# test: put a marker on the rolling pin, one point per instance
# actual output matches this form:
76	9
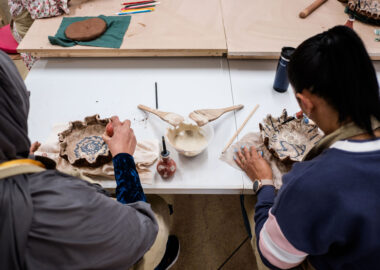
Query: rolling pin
307	11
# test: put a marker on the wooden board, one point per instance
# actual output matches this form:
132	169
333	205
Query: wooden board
175	28
260	28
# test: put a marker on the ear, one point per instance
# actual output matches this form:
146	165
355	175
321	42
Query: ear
305	102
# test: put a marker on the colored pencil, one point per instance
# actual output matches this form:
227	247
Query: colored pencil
138	2
134	12
143	6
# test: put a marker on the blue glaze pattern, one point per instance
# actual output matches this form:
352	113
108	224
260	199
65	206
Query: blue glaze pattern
90	147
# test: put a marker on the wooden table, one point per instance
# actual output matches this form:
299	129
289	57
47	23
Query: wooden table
260	28
175	28
238	28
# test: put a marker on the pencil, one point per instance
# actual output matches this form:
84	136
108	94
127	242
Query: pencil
240	128
134	12
142	5
138	7
138	2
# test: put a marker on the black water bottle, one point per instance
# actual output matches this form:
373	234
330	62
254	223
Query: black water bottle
281	81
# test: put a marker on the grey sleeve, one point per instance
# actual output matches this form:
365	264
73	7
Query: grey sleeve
76	227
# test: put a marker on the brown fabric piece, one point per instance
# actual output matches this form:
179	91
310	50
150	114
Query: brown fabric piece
342	133
86	30
145	156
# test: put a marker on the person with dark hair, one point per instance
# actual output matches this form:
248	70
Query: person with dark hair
326	214
50	220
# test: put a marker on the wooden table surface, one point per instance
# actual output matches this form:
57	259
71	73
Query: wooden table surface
238	28
175	28
260	28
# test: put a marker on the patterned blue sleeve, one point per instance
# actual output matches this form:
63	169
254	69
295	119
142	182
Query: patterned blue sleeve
128	189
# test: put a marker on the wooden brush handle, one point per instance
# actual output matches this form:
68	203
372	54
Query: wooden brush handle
232	108
146	108
307	11
240	128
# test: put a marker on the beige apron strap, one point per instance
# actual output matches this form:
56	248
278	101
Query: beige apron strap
16	167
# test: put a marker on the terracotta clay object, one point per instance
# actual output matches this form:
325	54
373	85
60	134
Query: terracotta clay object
289	139
82	144
86	30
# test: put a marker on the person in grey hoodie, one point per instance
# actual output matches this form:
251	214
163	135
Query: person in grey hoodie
50	220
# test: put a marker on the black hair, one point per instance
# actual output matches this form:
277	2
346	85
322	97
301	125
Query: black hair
336	66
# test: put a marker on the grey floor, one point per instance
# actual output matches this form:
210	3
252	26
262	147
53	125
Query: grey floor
211	231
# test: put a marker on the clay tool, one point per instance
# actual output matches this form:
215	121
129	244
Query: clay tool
240	128
169	117
307	11
202	117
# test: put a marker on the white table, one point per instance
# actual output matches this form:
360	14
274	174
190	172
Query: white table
252	83
63	90
70	89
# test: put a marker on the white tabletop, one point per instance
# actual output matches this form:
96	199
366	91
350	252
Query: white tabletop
64	90
252	83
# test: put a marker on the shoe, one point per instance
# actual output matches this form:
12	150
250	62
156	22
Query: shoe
171	253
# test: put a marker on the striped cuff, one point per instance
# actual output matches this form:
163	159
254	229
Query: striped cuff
276	248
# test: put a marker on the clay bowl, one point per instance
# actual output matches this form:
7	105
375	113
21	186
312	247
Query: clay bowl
189	130
82	144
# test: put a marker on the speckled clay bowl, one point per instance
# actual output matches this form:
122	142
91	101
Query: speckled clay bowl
207	131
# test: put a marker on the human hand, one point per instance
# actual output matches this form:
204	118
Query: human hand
253	164
123	139
34	147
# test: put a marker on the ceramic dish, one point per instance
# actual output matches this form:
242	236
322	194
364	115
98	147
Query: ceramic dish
189	139
82	144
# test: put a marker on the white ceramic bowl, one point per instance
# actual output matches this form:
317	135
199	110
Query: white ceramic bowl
207	131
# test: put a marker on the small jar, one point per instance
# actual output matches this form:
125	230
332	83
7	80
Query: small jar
166	166
281	81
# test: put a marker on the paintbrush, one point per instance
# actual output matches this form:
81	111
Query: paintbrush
156	94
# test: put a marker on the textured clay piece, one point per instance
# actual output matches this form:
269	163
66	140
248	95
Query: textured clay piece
86	30
82	144
289	139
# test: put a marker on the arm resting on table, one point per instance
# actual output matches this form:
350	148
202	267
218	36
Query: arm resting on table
128	189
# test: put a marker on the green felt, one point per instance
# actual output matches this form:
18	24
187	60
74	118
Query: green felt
112	38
